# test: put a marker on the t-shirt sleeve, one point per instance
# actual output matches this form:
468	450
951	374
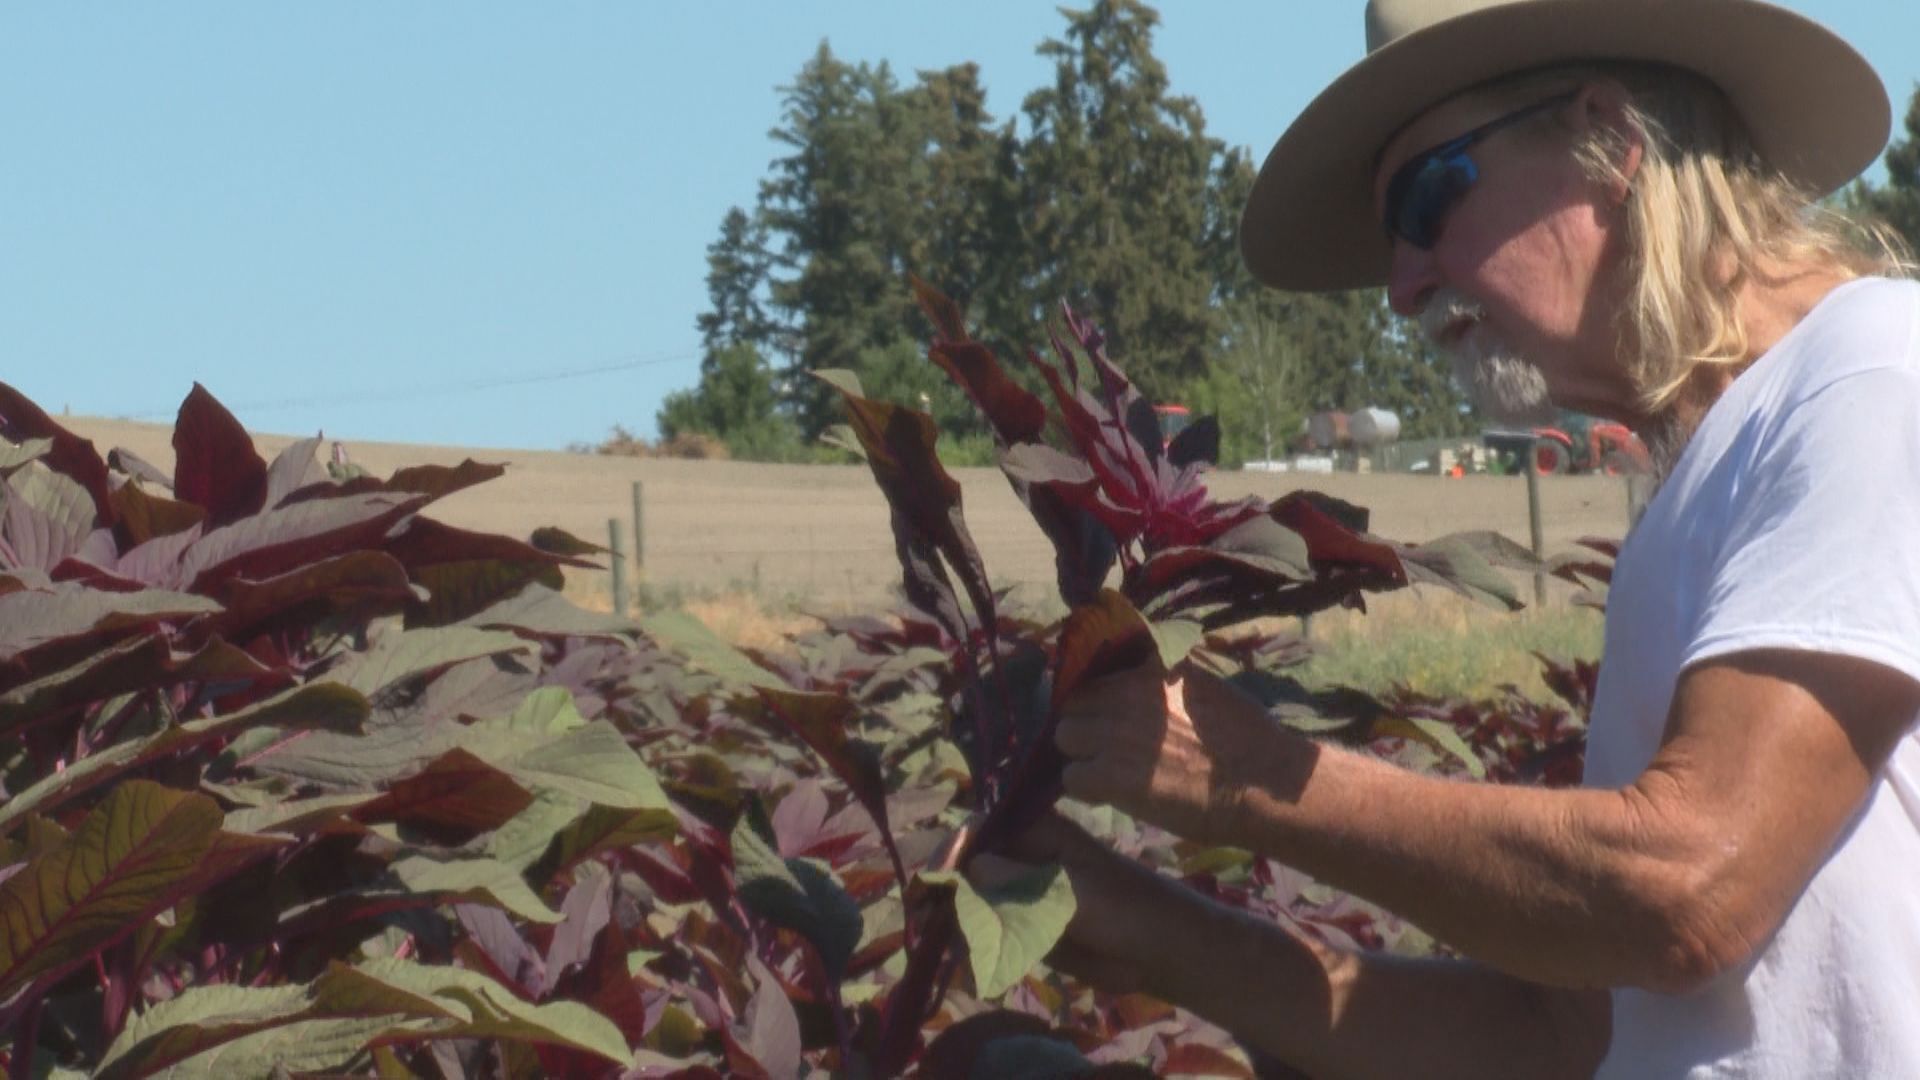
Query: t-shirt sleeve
1822	549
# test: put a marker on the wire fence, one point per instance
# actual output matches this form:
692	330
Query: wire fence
830	548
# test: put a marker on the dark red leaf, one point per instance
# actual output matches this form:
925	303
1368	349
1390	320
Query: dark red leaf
1197	444
70	455
587	910
361	583
500	947
143	516
1104	638
821	721
215	466
925	499
1326	524
266	545
120	459
456	797
294	468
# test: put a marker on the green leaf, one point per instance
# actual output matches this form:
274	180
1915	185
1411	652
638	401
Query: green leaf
396	657
542	748
140	663
1434	733
59	515
547	711
1175	638
1461	563
294	815
126	861
315	705
523	840
798	895
842	380
604	828
1011	927
245	1032
295	1049
540	610
199	1019
688	638
35	616
474	880
14	455
530	833
470	1006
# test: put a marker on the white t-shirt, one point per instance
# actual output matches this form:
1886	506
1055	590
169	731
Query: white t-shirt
1792	520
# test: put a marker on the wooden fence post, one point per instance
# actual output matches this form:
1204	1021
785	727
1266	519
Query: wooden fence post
619	562
639	535
1534	527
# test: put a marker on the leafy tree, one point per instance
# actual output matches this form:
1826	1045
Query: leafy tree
1117	173
1897	204
737	265
1351	350
1252	387
842	204
737	401
738	398
1113	197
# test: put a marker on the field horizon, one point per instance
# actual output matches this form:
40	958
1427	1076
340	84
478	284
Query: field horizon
816	536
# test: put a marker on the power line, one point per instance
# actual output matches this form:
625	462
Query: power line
437	389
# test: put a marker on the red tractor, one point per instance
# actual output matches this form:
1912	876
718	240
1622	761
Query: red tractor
1573	444
1173	420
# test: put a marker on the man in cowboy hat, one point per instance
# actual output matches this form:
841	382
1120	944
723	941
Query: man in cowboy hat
1603	205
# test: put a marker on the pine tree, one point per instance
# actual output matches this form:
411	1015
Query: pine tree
1116	175
737	266
1898	204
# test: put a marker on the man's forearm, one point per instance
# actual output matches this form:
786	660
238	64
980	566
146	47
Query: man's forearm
1546	885
1332	1013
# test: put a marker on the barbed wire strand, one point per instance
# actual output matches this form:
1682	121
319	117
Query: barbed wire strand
437	388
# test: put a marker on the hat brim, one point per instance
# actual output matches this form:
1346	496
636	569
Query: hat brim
1815	107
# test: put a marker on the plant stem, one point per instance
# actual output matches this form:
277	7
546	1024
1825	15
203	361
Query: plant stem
26	1034
841	1030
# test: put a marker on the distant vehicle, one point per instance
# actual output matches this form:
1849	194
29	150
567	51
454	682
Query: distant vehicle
1173	420
1574	443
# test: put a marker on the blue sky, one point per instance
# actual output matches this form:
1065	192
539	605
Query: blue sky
484	223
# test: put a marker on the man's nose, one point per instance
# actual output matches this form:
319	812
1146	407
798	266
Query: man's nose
1412	279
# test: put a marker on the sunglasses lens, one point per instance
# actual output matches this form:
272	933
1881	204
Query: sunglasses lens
1435	184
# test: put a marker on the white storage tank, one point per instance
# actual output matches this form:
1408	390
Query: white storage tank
1372	427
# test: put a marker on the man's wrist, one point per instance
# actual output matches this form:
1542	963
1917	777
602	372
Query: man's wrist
1258	782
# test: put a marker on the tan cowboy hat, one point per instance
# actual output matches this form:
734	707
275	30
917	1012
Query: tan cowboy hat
1815	107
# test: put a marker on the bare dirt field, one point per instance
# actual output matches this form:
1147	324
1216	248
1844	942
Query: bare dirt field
818	535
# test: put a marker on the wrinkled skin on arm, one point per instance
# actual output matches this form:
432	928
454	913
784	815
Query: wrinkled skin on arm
1664	883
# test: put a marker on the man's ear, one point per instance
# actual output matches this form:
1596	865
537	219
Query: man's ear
1602	104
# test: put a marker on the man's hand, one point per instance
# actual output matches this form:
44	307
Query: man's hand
1133	929
1180	752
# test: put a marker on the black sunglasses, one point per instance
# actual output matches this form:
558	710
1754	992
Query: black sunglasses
1424	189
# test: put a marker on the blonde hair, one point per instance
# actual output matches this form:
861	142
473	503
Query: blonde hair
1705	216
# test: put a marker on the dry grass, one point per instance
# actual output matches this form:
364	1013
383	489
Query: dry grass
745	616
745	620
1429	640
1437	643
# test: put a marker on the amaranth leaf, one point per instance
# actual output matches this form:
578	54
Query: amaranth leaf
127	860
798	895
1012	926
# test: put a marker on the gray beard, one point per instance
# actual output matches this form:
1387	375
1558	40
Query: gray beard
1502	386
